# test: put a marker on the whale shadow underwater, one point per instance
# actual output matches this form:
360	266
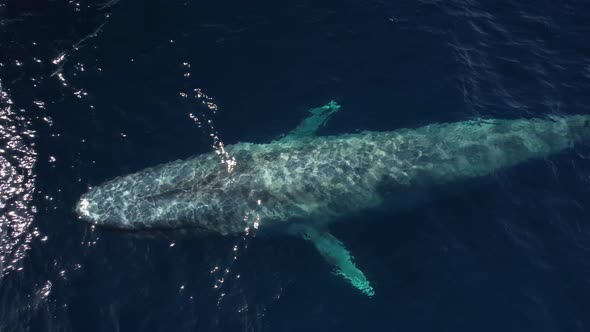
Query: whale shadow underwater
302	183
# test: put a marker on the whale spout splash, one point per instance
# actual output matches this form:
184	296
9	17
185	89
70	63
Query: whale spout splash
305	182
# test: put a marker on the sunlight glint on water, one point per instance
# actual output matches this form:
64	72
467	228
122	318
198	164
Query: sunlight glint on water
222	272
17	185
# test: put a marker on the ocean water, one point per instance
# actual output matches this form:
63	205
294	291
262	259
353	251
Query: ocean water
90	90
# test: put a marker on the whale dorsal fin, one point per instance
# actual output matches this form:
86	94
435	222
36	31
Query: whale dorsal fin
335	253
310	125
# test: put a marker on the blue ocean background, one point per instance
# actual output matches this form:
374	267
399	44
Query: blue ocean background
94	91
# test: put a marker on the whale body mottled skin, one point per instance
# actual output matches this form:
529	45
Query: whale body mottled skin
312	181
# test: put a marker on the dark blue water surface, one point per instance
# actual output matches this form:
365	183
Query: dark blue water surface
509	253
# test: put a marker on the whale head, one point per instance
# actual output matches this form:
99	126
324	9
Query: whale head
179	196
118	204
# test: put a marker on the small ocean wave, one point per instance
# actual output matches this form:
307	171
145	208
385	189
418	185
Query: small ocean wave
509	59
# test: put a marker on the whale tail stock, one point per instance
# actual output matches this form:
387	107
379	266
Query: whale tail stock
579	126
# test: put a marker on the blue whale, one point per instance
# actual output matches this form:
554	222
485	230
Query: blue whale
304	182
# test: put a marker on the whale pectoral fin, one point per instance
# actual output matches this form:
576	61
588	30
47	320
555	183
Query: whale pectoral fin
334	252
310	125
